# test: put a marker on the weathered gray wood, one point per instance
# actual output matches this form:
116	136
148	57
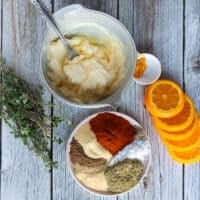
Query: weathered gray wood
157	27
0	82
192	87
64	186
23	174
109	7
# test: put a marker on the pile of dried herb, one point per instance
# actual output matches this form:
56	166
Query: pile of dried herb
124	175
22	109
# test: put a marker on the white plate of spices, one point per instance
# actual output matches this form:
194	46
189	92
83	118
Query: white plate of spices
108	153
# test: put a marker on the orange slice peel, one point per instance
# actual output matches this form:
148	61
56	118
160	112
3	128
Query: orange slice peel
178	135
180	121
184	145
164	99
188	157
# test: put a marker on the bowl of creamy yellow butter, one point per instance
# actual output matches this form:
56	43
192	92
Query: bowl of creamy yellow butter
104	66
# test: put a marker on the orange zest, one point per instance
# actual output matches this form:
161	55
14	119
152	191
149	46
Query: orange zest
164	99
180	121
140	68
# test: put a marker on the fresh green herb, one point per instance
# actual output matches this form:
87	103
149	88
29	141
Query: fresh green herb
22	109
69	123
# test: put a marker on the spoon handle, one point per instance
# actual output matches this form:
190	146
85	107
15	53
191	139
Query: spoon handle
46	14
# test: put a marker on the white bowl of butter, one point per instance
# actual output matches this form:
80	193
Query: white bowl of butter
105	64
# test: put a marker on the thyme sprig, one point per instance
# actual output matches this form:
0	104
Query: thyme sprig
22	109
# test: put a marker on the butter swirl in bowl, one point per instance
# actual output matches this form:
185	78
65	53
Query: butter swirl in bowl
91	76
106	61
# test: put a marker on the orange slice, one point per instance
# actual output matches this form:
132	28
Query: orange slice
178	135
164	98
186	157
184	145
179	122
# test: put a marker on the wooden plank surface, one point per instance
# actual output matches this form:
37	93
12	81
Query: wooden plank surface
192	86
156	27
0	94
23	174
64	186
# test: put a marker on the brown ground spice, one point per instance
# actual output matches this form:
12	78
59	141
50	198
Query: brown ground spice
77	155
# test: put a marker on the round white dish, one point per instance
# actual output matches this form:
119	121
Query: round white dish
153	71
143	151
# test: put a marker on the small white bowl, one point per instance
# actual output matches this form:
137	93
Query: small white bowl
153	71
146	161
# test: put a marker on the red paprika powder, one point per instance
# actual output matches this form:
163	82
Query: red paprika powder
112	132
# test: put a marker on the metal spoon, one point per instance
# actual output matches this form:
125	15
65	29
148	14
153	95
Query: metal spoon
50	19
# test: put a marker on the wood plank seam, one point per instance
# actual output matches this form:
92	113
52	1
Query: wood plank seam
52	134
191	53
1	24
51	171
183	61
